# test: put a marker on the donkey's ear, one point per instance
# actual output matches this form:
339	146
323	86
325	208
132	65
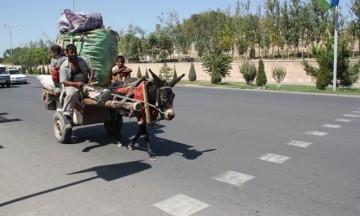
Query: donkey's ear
155	77
176	80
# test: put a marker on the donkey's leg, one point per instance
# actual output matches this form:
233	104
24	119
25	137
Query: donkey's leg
146	137
133	141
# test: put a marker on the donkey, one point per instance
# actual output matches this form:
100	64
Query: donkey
161	95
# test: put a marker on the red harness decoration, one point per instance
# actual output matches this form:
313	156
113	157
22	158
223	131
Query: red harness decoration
137	94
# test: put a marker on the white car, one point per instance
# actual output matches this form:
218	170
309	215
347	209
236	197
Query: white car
17	77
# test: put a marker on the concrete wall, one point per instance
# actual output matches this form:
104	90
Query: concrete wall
295	73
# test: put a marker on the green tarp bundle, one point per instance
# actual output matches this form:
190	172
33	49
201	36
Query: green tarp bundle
99	47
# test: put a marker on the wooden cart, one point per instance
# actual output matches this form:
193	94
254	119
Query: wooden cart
90	112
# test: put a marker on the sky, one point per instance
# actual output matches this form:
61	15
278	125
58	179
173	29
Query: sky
37	19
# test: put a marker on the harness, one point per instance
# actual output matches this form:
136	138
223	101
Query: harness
138	93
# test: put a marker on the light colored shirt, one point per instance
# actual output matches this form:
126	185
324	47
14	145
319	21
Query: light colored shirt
57	61
66	72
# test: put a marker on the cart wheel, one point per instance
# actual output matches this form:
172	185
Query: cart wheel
113	125
62	135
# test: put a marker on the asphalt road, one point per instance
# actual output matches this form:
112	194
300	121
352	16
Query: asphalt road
227	152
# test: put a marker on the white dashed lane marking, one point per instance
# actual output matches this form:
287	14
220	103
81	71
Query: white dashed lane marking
352	115
316	133
233	177
181	205
274	158
299	143
343	120
331	126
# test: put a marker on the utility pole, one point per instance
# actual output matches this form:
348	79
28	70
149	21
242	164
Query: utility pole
335	49
11	51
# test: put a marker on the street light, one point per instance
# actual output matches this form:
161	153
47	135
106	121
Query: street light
5	25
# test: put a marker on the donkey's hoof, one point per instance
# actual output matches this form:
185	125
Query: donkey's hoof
153	157
119	145
130	147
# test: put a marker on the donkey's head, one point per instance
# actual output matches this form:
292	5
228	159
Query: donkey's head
160	93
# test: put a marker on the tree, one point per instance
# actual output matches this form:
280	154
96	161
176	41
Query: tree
325	59
278	74
192	72
273	23
355	24
248	70
165	71
211	32
219	62
261	79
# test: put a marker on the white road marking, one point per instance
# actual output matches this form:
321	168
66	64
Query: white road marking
274	158
331	126
299	143
233	177
181	205
316	133
352	115
343	120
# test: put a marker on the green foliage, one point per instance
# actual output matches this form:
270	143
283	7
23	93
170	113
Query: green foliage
325	58
352	76
165	71
219	62
211	31
248	70
192	72
138	74
261	79
215	77
309	69
161	77
323	78
278	74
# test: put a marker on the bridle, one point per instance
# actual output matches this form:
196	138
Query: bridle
159	101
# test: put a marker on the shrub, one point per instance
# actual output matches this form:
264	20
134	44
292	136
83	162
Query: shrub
138	75
192	72
278	73
261	79
248	70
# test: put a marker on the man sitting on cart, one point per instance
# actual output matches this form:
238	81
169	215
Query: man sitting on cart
75	73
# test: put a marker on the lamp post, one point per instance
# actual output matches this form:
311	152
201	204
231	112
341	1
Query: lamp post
9	27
